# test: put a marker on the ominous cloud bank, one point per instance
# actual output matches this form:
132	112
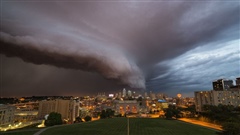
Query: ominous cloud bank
98	60
168	44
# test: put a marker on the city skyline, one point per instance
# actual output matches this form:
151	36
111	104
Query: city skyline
80	47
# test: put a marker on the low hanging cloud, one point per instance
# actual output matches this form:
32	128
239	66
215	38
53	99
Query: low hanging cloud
120	40
104	62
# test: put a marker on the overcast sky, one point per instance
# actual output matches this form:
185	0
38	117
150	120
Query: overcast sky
76	47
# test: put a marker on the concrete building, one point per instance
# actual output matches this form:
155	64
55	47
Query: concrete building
213	97
26	112
6	115
238	82
69	109
152	95
129	93
161	104
119	95
222	84
124	93
145	95
126	106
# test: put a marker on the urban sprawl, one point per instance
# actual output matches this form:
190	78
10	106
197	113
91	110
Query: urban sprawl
25	111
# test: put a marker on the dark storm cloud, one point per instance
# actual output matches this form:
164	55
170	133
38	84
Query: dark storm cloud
28	80
123	41
43	52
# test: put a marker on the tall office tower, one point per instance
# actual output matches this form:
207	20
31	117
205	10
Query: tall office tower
116	95
129	93
222	84
124	92
145	95
119	95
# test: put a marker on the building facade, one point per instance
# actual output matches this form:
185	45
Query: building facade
222	84
6	115
238	82
69	109
213	97
26	112
126	106
124	93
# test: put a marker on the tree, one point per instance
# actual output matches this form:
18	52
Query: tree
54	118
226	115
220	113
88	118
103	114
110	113
231	128
172	111
107	113
169	114
78	119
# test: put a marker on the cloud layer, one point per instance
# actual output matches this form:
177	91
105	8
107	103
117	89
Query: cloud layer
197	68
98	60
129	42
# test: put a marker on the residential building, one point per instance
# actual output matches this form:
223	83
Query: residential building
213	97
26	112
6	115
69	109
222	84
238	82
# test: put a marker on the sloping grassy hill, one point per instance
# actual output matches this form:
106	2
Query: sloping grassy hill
138	126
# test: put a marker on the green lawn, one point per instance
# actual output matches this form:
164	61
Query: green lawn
138	126
28	130
19	132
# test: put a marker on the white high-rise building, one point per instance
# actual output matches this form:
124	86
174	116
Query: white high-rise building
124	92
129	93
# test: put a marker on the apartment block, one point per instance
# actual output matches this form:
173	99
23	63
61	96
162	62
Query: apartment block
69	109
213	97
6	115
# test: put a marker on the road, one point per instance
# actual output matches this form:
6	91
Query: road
201	123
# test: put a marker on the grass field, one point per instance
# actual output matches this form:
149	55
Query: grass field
20	132
138	126
28	130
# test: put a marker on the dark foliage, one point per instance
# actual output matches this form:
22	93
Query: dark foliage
108	113
54	118
78	120
172	111
226	115
231	128
88	118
